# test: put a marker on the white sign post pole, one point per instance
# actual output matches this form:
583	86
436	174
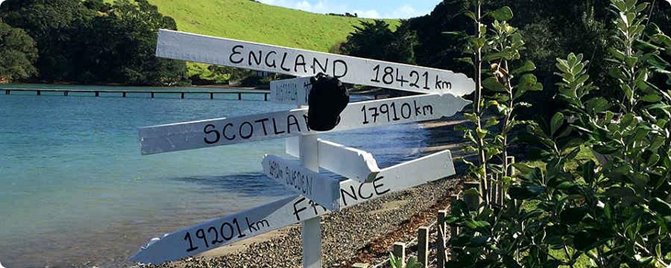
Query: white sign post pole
311	231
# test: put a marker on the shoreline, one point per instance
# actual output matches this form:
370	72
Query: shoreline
355	234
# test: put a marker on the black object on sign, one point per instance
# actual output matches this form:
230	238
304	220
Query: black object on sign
328	98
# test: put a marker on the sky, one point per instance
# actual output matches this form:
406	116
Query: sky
396	9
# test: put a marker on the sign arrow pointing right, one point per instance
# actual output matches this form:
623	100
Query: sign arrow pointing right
224	131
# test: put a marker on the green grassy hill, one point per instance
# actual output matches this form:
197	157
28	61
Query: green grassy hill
251	21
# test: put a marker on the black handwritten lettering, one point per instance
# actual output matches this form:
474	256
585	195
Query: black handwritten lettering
277	132
406	107
257	60
263	123
230	231
418	109
201	234
273	64
351	194
237	225
284	58
250	226
230	138
300	61
315	206
428	108
187	238
292	121
236	53
298	210
322	68
361	186
216	235
376	186
211	130
335	68
250	133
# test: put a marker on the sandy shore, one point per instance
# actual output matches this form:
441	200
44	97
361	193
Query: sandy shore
363	233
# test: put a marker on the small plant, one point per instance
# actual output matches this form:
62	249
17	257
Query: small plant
398	263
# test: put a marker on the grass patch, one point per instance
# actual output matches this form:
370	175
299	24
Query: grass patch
257	22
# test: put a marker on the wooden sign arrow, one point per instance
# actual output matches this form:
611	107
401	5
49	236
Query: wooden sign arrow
348	162
291	91
318	188
259	220
223	131
298	62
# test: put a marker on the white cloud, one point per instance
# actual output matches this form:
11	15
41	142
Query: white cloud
320	6
405	11
371	14
328	6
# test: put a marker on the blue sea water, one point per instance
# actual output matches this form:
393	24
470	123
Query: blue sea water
74	189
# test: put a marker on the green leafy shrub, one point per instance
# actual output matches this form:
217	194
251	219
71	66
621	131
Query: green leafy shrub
613	210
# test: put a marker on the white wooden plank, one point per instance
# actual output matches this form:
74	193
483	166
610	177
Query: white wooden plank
298	62
223	131
259	220
291	91
348	162
303	181
311	234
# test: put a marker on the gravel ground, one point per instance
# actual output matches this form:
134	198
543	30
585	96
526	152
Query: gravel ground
344	233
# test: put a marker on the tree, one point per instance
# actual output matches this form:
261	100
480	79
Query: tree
95	42
52	24
17	53
120	47
376	40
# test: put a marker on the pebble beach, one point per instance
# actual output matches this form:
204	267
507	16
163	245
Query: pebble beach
360	234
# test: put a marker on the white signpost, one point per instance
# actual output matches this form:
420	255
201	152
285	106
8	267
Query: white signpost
291	91
223	131
318	194
259	220
318	188
305	63
349	162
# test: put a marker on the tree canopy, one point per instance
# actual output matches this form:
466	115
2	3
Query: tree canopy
376	40
95	42
17	53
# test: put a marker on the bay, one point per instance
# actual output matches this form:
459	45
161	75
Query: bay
74	189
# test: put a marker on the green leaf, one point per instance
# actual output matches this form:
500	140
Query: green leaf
529	82
491	122
527	66
597	105
651	98
556	122
477	225
493	84
501	14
